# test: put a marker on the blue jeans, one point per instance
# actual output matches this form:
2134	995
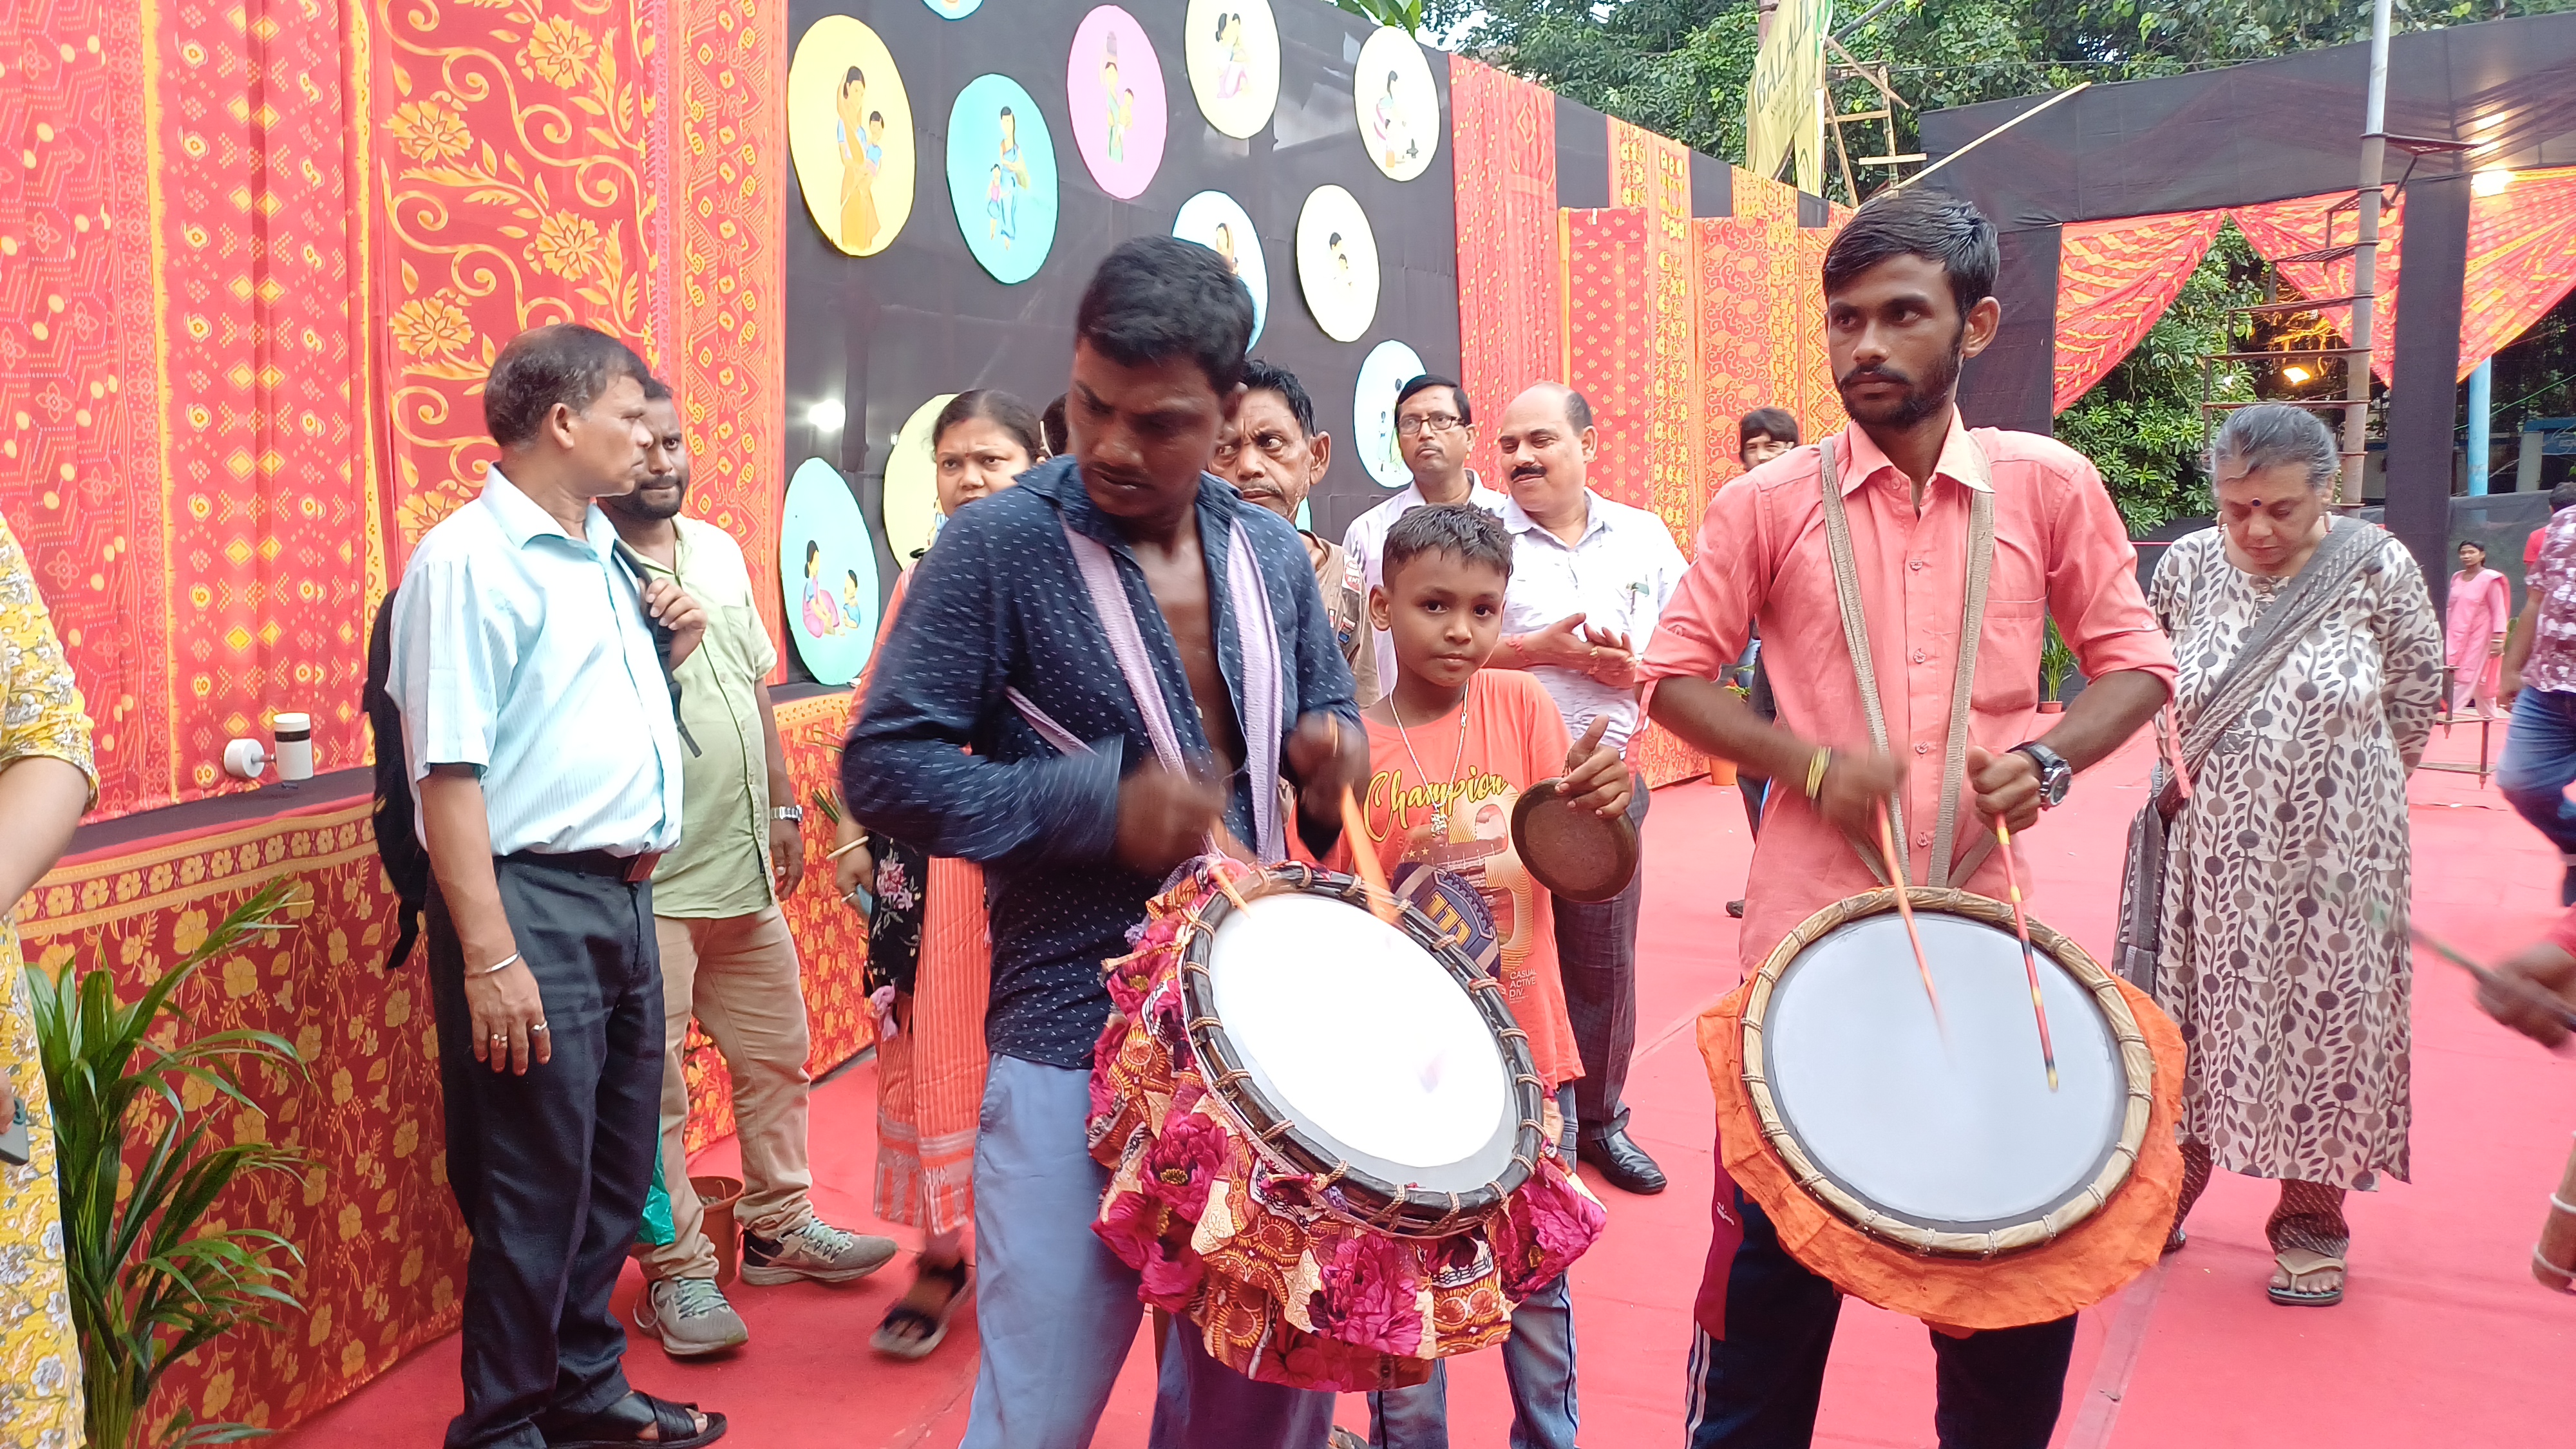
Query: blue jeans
2539	761
1758	1387
1058	1312
1538	1365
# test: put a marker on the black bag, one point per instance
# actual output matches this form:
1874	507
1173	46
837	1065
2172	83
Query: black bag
397	841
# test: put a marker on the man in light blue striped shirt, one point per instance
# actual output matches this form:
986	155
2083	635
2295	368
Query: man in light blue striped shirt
531	667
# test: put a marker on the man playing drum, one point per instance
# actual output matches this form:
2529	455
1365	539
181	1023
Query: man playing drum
1908	296
1204	634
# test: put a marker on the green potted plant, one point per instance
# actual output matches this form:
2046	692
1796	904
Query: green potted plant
150	1281
2056	661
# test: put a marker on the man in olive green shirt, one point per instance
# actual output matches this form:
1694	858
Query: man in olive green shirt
727	957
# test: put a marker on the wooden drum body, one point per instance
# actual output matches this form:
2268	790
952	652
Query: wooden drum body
1923	1163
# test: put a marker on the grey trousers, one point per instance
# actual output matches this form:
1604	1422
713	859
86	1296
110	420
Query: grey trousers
1596	947
550	1169
1058	1312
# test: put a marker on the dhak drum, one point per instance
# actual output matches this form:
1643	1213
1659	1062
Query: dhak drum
1312	1116
1923	1161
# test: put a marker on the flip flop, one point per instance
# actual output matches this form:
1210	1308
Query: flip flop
2291	1295
621	1426
911	1334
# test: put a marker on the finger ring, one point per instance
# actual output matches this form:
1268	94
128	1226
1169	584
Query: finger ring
540	1026
500	1036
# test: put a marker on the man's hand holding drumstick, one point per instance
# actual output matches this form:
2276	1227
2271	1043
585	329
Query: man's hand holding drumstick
2533	991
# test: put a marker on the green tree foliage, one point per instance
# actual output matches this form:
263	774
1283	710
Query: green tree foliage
2141	424
1680	67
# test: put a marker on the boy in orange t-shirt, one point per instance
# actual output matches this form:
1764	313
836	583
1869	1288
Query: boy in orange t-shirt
1451	747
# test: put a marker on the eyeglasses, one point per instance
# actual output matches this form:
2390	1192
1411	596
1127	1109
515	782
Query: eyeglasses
1417	425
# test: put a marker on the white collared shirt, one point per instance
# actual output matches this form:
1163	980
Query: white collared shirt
524	652
1618	575
1364	556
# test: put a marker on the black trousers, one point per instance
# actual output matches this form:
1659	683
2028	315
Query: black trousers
551	1169
1596	950
1758	1388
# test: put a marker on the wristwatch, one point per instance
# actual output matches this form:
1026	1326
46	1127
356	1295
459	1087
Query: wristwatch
2054	773
792	814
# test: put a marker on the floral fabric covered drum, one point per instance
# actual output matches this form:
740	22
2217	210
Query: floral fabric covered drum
1324	1133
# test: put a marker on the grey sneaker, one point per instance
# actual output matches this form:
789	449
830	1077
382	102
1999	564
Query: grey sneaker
814	1250
690	1316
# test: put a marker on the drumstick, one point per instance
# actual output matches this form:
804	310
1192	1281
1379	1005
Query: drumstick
1355	833
2379	918
1905	911
2029	958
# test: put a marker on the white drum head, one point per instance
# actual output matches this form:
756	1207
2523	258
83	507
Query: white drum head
1955	1135
1353	1029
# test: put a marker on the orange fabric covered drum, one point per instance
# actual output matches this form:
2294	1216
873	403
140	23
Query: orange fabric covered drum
1923	1162
1323	1132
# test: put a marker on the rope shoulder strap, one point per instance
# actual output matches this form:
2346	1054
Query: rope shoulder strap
1847	595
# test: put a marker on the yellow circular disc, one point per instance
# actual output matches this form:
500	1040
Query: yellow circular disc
849	132
912	485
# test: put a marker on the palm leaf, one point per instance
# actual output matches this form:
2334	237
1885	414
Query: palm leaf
149	1282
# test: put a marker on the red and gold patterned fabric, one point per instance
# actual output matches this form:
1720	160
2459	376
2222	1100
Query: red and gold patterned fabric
2114	280
729	280
264	262
1510	315
1283	1287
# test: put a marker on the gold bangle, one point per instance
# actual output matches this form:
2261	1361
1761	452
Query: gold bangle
1816	768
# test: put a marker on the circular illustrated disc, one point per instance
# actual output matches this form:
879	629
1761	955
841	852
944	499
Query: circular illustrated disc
1233	59
1218	222
953	9
1398	107
1001	177
912	485
1114	87
1389	366
1337	263
827	564
849	132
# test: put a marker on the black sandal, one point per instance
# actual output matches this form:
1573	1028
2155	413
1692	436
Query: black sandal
622	1424
909	1332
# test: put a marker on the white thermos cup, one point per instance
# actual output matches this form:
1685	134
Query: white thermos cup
294	746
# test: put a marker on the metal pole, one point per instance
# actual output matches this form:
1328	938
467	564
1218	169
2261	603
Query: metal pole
2365	262
2481	395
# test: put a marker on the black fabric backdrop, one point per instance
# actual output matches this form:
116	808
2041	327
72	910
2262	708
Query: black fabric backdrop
887	333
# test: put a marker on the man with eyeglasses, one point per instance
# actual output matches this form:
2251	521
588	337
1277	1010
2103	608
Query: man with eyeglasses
1434	428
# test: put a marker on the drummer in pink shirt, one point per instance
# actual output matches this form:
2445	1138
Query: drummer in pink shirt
1908	296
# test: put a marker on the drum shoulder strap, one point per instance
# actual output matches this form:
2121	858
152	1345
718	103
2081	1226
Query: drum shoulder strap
1847	595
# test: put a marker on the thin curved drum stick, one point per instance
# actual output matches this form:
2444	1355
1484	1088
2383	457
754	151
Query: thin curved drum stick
1905	911
1364	862
2029	958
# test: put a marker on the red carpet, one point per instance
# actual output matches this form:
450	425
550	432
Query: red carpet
2444	1338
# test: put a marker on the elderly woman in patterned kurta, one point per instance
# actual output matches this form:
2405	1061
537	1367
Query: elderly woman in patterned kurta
46	781
2284	929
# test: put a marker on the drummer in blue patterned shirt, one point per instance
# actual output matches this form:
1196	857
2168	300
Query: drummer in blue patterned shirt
1000	651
